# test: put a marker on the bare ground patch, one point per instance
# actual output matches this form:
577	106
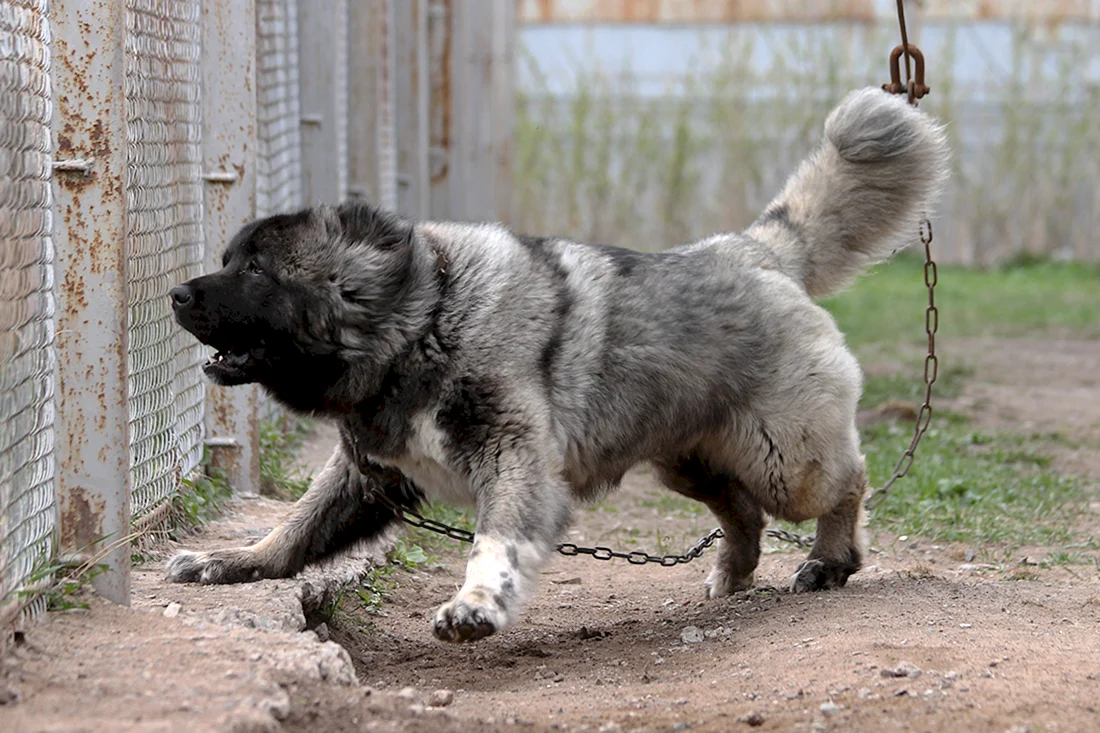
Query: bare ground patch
928	637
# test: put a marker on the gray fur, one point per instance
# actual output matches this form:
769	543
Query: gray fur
519	374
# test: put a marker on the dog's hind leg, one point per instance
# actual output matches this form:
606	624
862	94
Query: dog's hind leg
739	515
334	513
838	547
522	511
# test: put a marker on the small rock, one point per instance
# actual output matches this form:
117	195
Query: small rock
905	669
558	678
965	626
172	610
755	720
901	693
322	632
977	566
681	726
691	635
863	693
611	727
830	708
9	695
407	693
970	555
441	698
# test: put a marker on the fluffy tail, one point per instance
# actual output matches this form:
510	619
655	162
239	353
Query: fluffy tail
859	197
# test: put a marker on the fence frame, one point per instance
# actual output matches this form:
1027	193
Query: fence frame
229	148
93	422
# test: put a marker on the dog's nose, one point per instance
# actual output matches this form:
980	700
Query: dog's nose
181	296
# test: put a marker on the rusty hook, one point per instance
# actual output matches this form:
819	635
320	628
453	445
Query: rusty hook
915	88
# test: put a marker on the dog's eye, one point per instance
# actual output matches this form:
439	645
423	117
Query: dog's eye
253	268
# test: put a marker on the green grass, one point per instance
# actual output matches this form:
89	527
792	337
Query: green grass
200	497
885	308
279	444
974	486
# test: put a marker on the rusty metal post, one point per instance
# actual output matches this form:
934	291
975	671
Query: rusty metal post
229	169
93	445
322	74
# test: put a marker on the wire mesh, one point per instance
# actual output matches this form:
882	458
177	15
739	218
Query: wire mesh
28	507
164	245
279	141
278	121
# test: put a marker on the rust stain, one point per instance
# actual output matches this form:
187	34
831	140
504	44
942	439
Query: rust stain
81	518
439	117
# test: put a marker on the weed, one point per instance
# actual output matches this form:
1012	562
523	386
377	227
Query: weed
58	584
279	442
200	497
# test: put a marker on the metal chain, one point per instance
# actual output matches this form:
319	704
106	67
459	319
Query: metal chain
915	89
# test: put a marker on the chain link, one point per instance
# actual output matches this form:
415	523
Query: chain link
599	552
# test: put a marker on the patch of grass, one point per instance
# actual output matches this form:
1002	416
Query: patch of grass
371	593
200	498
885	308
974	486
59	584
279	443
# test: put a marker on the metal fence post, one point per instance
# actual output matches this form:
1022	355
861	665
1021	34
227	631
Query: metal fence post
322	74
93	449
229	172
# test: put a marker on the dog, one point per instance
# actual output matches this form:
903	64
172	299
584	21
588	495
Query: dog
519	374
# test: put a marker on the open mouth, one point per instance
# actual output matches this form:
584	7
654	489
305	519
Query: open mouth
229	367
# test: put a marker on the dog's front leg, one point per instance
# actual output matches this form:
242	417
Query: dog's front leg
338	510
522	511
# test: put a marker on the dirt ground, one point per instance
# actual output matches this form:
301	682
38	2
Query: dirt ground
925	638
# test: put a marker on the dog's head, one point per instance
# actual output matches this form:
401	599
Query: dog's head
305	291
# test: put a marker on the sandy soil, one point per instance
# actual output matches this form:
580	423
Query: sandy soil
923	639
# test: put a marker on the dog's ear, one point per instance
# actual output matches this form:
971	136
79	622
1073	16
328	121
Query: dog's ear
362	223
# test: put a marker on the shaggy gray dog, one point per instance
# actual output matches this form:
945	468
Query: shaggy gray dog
467	363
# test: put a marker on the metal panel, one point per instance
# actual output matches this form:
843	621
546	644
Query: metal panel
477	100
411	102
364	112
532	12
322	74
693	11
229	149
89	73
164	246
28	475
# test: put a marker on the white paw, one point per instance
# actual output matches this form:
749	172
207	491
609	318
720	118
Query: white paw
220	566
721	583
471	615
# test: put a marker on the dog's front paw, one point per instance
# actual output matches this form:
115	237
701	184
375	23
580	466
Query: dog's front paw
818	575
219	566
721	582
471	615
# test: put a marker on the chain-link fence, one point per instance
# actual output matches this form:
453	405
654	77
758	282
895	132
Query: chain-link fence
164	245
28	504
278	114
160	128
278	138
